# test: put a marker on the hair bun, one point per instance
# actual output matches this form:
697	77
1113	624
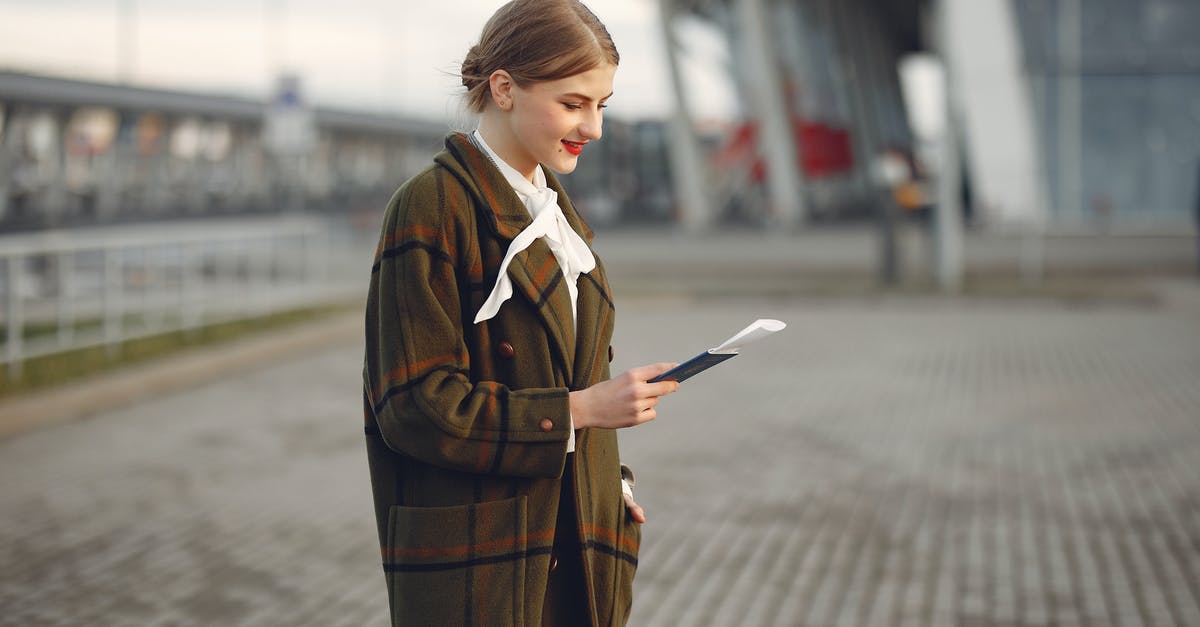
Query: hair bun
470	68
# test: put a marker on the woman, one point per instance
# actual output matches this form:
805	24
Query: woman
490	414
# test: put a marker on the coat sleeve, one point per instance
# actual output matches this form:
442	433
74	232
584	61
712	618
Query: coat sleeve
418	365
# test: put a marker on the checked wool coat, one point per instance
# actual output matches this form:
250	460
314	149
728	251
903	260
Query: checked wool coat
467	424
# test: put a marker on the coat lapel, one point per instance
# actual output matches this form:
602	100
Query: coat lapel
595	315
535	273
595	304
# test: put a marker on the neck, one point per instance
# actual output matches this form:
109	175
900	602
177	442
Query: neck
500	138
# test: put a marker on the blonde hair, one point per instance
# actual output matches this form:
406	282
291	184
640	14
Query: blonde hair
536	41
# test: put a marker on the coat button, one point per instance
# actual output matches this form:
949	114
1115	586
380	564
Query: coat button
505	350
547	425
553	563
610	354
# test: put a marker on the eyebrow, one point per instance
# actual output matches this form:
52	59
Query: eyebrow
584	97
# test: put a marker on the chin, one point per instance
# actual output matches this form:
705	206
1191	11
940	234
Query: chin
561	167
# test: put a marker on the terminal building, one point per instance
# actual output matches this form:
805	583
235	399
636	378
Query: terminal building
78	153
1046	113
1003	113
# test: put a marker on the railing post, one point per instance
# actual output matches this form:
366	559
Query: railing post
257	269
153	306
191	285
320	259
66	299
16	321
113	298
265	260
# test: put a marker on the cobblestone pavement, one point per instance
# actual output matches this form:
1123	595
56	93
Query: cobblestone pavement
882	462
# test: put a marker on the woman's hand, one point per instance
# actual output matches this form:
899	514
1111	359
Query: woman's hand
623	401
635	510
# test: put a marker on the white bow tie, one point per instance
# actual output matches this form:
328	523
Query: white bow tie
573	255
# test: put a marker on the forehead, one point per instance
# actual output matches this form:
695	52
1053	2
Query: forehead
595	83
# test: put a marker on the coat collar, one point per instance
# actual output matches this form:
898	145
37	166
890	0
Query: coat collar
507	215
534	272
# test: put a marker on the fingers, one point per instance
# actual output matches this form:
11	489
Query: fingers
643	409
635	510
653	370
661	388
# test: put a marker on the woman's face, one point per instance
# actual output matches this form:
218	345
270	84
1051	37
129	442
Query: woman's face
552	122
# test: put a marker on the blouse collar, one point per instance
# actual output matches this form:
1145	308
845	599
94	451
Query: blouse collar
519	183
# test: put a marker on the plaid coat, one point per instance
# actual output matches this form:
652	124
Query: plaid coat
467	424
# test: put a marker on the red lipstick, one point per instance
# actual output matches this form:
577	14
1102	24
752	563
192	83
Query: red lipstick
573	147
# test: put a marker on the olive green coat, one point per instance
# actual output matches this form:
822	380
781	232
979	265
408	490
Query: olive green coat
467	424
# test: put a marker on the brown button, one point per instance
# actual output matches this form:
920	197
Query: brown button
547	425
505	350
610	354
553	563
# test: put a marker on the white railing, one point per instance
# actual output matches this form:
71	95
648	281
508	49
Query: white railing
67	290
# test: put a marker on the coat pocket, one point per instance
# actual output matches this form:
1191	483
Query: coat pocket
629	543
457	565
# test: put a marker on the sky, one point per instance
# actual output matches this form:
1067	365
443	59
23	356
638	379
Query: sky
391	56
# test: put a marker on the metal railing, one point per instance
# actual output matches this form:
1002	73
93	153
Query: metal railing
68	290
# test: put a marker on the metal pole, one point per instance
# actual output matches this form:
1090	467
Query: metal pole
688	177
1070	111
874	62
1198	218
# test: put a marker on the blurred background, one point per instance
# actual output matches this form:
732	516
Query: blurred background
968	210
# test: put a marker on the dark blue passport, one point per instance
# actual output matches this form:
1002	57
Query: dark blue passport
693	367
729	348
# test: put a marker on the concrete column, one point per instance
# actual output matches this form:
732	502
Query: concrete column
688	176
947	220
775	133
981	51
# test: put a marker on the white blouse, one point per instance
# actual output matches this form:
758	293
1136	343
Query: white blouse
570	250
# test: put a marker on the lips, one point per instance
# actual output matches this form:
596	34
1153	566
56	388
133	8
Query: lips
575	148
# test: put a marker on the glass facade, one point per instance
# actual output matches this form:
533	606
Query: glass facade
1116	91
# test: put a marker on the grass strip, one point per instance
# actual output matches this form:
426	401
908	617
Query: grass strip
58	368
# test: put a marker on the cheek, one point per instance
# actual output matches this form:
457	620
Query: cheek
538	123
547	122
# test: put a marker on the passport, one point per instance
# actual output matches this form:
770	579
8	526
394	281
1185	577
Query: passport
724	351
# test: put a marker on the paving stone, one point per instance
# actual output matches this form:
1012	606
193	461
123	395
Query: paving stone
883	461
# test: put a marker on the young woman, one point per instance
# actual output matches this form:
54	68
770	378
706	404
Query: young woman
490	413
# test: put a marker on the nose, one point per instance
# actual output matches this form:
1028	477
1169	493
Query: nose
591	128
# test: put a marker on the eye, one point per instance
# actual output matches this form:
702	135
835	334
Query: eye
571	106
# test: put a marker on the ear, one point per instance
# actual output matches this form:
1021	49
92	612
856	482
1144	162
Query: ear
500	83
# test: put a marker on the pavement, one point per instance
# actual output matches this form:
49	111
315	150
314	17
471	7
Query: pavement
890	459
